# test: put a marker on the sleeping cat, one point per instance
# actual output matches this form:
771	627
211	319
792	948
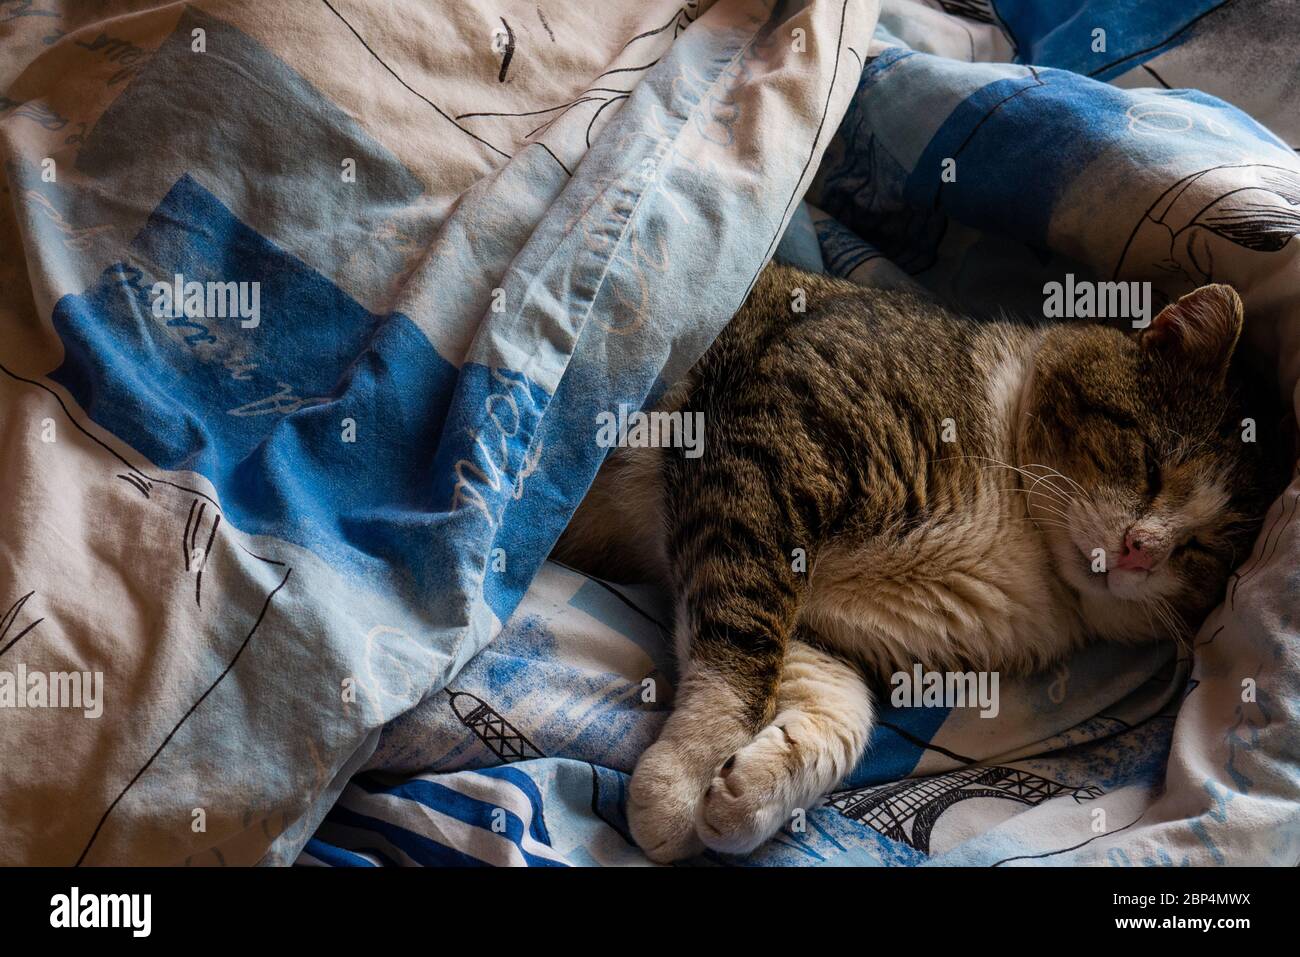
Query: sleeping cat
964	494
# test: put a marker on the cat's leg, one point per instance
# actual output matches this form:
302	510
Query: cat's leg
738	600
709	722
824	718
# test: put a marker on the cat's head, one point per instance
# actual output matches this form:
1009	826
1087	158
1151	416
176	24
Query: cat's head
1152	490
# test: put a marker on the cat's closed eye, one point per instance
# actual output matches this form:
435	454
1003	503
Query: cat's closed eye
1154	481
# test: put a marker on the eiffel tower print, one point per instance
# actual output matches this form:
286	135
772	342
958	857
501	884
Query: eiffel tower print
907	810
501	737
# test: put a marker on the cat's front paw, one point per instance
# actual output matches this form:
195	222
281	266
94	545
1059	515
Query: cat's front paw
752	795
661	805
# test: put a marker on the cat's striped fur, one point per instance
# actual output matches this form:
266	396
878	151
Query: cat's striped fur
825	437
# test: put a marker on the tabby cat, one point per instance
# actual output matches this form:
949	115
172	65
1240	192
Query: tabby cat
955	485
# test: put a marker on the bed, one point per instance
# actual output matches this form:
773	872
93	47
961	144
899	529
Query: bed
299	541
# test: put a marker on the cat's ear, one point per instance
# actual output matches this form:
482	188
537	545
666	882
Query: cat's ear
1201	328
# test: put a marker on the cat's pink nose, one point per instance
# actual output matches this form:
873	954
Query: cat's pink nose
1137	554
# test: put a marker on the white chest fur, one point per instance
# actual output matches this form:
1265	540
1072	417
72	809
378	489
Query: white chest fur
963	591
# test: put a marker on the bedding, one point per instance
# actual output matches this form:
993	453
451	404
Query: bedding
307	311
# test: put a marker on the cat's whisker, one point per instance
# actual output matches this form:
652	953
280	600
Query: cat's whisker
1036	519
1031	507
1054	494
1167	617
1040	523
1177	626
1061	475
1185	450
1039	520
1058	492
1146	610
1161	615
1055	499
996	464
1070	502
1064	516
